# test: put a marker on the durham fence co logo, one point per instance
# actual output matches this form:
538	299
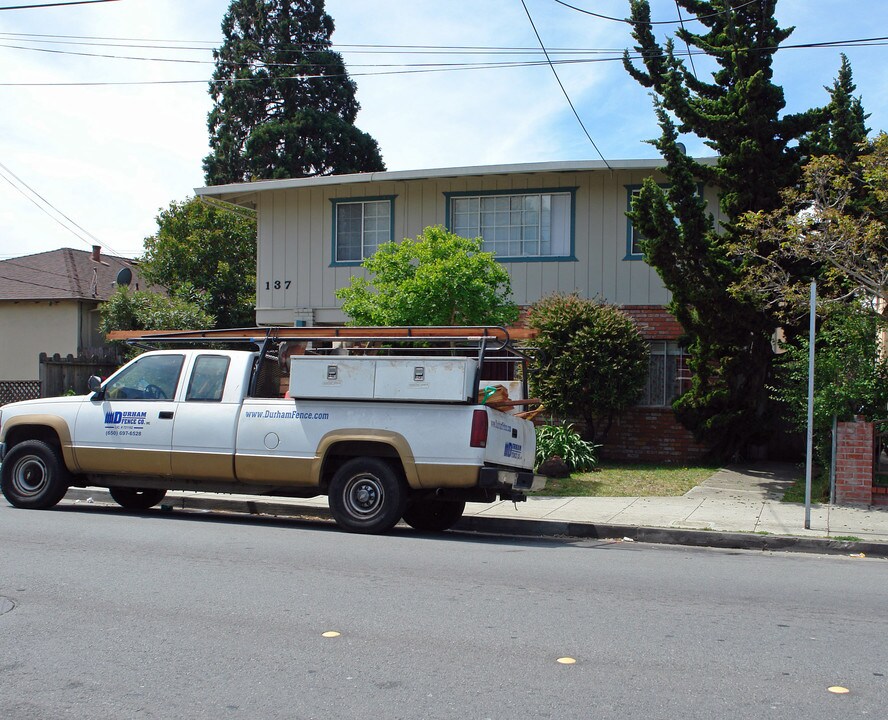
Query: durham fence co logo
127	418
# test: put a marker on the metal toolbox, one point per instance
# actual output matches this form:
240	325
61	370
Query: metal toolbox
421	379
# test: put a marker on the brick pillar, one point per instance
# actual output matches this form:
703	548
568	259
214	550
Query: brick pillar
854	462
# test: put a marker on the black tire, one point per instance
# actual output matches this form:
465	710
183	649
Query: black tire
135	498
433	514
34	476
367	495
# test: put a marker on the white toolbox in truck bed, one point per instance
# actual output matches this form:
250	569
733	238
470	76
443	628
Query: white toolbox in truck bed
421	379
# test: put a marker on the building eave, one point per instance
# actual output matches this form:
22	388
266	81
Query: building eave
244	193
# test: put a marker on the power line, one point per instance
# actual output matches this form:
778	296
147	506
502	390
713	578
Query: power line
35	284
687	45
561	85
203	81
653	22
436	67
399	49
94	239
57	4
617	54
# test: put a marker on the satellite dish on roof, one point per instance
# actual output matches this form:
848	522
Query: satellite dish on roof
124	276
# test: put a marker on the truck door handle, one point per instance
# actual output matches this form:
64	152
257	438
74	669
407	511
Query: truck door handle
165	414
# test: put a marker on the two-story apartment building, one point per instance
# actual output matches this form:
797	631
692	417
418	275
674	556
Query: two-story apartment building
556	226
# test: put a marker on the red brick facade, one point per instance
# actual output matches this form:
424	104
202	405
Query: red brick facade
651	434
654	322
855	443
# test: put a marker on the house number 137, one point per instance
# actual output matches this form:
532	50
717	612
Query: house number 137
277	284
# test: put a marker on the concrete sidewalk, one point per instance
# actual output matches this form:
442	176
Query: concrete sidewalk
737	507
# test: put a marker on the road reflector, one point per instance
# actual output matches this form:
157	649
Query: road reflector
838	690
566	660
330	634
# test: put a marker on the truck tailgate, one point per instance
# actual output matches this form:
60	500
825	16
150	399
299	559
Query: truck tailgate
511	441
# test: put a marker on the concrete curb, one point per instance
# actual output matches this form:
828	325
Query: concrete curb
533	527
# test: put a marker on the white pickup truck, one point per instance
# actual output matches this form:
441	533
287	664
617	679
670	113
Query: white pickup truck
384	436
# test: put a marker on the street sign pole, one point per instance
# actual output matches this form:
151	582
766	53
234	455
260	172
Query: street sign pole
810	453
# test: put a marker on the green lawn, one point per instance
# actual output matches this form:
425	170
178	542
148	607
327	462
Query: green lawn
630	480
819	488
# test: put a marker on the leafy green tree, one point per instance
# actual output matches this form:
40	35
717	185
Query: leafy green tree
145	310
835	224
205	255
438	279
739	114
284	105
850	378
591	361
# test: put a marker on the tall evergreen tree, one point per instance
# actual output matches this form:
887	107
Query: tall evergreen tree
739	116
284	105
842	130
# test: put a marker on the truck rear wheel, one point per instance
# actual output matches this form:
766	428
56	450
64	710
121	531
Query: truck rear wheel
136	499
367	496
33	476
433	514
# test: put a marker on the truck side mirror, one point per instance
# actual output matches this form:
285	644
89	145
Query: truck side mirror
94	383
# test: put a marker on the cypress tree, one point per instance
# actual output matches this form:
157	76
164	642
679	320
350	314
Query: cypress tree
760	152
284	105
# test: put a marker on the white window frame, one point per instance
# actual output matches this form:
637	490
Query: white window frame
367	248
560	248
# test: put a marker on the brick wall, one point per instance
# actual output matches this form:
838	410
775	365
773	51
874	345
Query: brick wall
654	322
854	462
651	434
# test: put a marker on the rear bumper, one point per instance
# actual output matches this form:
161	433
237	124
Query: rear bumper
500	479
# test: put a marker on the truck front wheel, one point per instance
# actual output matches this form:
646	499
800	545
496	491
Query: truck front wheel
136	499
367	496
433	514
33	476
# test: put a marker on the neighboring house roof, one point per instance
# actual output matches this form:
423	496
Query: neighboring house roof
64	274
401	175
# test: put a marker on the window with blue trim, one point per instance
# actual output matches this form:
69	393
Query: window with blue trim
633	237
360	227
515	225
633	241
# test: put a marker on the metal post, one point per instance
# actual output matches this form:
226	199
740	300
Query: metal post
832	464
809	462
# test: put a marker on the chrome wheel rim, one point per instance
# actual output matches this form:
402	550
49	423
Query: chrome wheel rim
29	476
363	496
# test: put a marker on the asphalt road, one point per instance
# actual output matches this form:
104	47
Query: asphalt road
116	615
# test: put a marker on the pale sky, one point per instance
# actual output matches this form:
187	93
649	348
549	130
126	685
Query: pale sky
110	156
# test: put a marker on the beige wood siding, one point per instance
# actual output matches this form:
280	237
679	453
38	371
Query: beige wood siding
296	240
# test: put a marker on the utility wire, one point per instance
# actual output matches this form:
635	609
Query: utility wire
35	284
687	45
653	22
57	4
395	49
418	69
259	64
42	271
94	239
561	85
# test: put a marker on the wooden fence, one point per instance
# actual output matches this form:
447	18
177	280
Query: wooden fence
61	376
